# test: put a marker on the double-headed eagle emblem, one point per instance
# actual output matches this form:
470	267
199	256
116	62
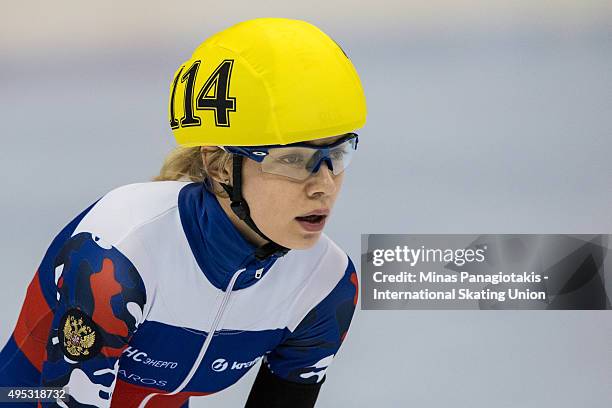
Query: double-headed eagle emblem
79	338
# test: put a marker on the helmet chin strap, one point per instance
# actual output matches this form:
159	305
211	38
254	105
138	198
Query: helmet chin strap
241	209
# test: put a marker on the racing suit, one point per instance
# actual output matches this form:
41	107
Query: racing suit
151	295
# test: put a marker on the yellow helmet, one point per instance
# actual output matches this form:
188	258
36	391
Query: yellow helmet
265	81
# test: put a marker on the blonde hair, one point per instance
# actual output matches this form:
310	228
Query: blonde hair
186	163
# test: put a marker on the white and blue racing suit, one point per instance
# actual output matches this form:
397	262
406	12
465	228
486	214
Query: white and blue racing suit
151	295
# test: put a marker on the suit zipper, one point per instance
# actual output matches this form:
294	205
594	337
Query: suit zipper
209	338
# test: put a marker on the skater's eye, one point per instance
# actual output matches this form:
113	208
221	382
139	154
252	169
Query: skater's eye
291	159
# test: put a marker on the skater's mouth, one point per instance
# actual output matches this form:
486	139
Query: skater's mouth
314	220
319	211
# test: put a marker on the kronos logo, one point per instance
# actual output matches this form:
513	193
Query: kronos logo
222	364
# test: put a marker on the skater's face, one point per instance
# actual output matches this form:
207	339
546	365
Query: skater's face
276	202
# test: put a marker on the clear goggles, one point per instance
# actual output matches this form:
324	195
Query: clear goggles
299	160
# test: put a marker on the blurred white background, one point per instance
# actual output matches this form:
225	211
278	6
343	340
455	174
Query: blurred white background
483	117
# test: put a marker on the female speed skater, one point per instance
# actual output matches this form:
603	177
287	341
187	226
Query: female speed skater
175	287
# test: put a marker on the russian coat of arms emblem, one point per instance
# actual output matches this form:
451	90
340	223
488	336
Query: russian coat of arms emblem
79	335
